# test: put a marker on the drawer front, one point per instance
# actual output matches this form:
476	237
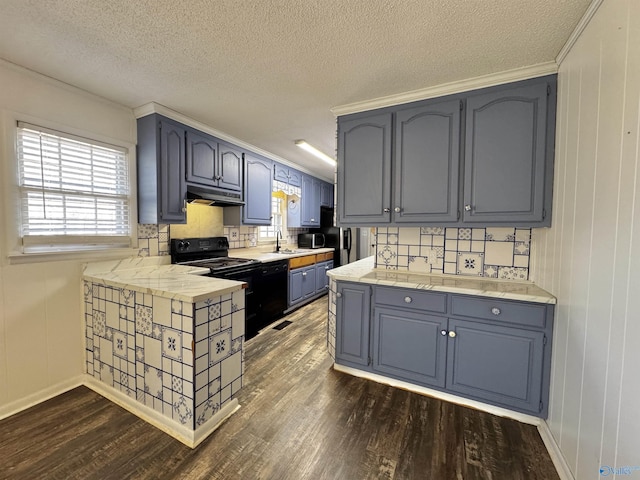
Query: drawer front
409	298
298	262
519	313
321	257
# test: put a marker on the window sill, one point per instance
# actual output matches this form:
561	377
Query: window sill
95	254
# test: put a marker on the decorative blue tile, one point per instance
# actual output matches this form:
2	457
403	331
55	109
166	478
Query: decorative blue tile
171	343
182	410
99	323
120	344
144	316
470	263
219	347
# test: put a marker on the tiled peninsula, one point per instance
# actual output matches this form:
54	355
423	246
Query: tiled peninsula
165	343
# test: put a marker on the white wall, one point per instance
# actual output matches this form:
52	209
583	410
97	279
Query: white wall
40	304
588	259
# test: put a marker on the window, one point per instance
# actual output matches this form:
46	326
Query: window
73	191
277	221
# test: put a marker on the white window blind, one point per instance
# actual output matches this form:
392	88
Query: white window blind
72	190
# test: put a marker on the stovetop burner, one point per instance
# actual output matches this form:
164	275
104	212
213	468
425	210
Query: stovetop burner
209	252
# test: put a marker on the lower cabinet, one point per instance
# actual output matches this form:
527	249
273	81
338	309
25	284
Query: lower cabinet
322	279
501	355
302	284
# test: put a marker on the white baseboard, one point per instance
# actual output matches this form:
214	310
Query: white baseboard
485	407
40	396
554	452
181	433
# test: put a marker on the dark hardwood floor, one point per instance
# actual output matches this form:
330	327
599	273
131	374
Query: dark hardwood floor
299	420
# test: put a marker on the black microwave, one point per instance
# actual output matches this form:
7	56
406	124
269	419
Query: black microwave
310	240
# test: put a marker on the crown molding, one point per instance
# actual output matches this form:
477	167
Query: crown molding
475	83
575	35
153	107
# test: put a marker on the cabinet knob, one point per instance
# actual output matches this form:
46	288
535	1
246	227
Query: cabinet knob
496	311
452	334
408	299
386	210
184	206
326	268
304	274
313	219
443	333
467	208
339	295
327	287
397	209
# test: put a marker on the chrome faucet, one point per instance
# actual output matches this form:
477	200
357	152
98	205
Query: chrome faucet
278	236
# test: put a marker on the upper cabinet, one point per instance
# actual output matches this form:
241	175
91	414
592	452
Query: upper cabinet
505	154
257	191
213	163
310	201
288	175
326	195
161	170
481	158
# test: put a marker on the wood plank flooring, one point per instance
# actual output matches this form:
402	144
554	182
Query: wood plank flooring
299	420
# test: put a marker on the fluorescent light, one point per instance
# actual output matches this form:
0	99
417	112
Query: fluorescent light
313	150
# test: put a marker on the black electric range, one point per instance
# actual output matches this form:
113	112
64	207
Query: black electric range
212	253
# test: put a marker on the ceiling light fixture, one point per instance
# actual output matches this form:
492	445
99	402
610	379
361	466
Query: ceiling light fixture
313	150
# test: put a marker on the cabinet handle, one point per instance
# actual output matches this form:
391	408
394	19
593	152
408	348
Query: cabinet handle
408	299
443	333
397	209
496	311
452	334
386	210
339	295
184	206
467	208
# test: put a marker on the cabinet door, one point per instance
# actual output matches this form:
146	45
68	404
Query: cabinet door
257	191
410	346
281	173
352	323
295	286
505	154
311	192
426	164
172	176
230	168
309	281
326	197
364	170
322	279
295	178
502	365
202	154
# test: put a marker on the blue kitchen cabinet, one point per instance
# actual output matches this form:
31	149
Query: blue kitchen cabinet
302	284
498	364
364	169
326	195
403	165
213	163
161	170
491	350
310	201
353	305
409	345
506	152
426	164
322	279
257	191
288	175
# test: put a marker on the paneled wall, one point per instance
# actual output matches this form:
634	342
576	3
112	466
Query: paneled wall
589	257
40	303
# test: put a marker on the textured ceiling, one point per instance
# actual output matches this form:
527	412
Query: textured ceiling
267	72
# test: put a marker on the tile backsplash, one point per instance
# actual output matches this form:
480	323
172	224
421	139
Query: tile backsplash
493	252
153	240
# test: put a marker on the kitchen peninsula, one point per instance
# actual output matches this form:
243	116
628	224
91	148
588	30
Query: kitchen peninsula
479	342
165	343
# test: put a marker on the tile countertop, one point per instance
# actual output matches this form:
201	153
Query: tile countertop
266	254
363	271
156	276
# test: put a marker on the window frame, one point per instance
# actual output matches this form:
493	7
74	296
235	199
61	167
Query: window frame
14	252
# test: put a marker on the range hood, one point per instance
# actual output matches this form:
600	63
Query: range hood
213	197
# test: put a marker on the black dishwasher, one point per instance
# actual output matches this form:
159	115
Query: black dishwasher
271	290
